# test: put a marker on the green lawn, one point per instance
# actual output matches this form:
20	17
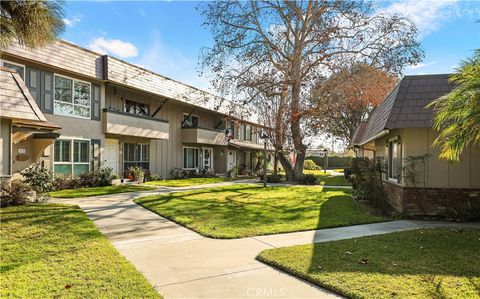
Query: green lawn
95	191
188	182
55	251
328	179
427	263
195	181
249	210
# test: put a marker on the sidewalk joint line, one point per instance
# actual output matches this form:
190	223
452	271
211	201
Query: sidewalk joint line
213	276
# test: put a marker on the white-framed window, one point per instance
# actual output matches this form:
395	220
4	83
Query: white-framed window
72	97
394	159
189	121
71	157
248	132
190	158
19	68
136	154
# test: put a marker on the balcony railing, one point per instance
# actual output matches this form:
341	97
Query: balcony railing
203	136
123	123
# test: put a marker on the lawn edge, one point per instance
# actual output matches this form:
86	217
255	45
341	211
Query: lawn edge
105	239
300	276
67	197
243	237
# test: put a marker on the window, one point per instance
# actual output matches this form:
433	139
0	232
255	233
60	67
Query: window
190	121
190	158
393	160
136	154
137	108
72	97
248	133
242	132
20	69
68	162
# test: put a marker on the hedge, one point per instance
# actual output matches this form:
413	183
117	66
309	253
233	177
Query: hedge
333	161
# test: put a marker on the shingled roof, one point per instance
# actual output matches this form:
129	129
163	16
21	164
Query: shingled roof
404	107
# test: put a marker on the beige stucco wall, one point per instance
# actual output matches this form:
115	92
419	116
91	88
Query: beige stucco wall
5	137
436	172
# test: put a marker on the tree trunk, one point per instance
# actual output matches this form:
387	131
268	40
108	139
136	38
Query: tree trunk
287	166
275	163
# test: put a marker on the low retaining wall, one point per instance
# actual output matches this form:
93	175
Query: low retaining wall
430	201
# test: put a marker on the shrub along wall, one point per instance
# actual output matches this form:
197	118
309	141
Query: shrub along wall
333	161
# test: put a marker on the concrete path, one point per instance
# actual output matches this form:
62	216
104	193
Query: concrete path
182	264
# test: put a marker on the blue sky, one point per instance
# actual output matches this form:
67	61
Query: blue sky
167	37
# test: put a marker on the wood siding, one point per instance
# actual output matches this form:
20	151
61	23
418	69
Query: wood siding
64	56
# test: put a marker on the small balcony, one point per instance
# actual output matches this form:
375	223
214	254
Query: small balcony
203	136
127	124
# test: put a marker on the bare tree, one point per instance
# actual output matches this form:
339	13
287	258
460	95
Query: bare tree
348	97
263	47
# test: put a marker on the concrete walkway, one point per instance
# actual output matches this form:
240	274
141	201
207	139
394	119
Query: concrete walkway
182	264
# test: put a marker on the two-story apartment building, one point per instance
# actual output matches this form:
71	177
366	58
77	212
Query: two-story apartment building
110	112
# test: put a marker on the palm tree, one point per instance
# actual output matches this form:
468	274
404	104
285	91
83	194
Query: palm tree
32	23
458	112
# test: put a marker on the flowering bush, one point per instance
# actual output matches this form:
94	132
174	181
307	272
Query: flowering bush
38	177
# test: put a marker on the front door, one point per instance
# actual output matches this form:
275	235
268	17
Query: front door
231	159
111	154
208	159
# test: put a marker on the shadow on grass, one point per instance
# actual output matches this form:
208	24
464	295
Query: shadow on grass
247	210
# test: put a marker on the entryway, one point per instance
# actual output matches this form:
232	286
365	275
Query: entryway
207	158
231	159
111	154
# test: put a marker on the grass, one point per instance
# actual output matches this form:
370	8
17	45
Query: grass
248	210
194	181
53	251
96	191
427	263
328	179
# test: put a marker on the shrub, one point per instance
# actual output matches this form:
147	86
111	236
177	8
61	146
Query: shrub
65	182
308	179
14	193
333	161
97	178
137	173
177	173
233	172
38	177
273	178
310	165
155	177
460	214
367	181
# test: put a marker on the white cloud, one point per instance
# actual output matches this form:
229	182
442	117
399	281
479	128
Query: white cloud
428	15
115	47
142	12
72	22
421	65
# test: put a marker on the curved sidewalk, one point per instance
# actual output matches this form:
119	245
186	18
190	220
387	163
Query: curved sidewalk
182	264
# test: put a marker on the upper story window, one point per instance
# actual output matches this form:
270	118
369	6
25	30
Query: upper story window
190	121
137	108
72	97
248	132
20	69
394	162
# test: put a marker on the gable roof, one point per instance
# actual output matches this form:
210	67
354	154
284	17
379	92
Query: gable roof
404	107
17	103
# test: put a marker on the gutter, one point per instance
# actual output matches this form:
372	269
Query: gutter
380	134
